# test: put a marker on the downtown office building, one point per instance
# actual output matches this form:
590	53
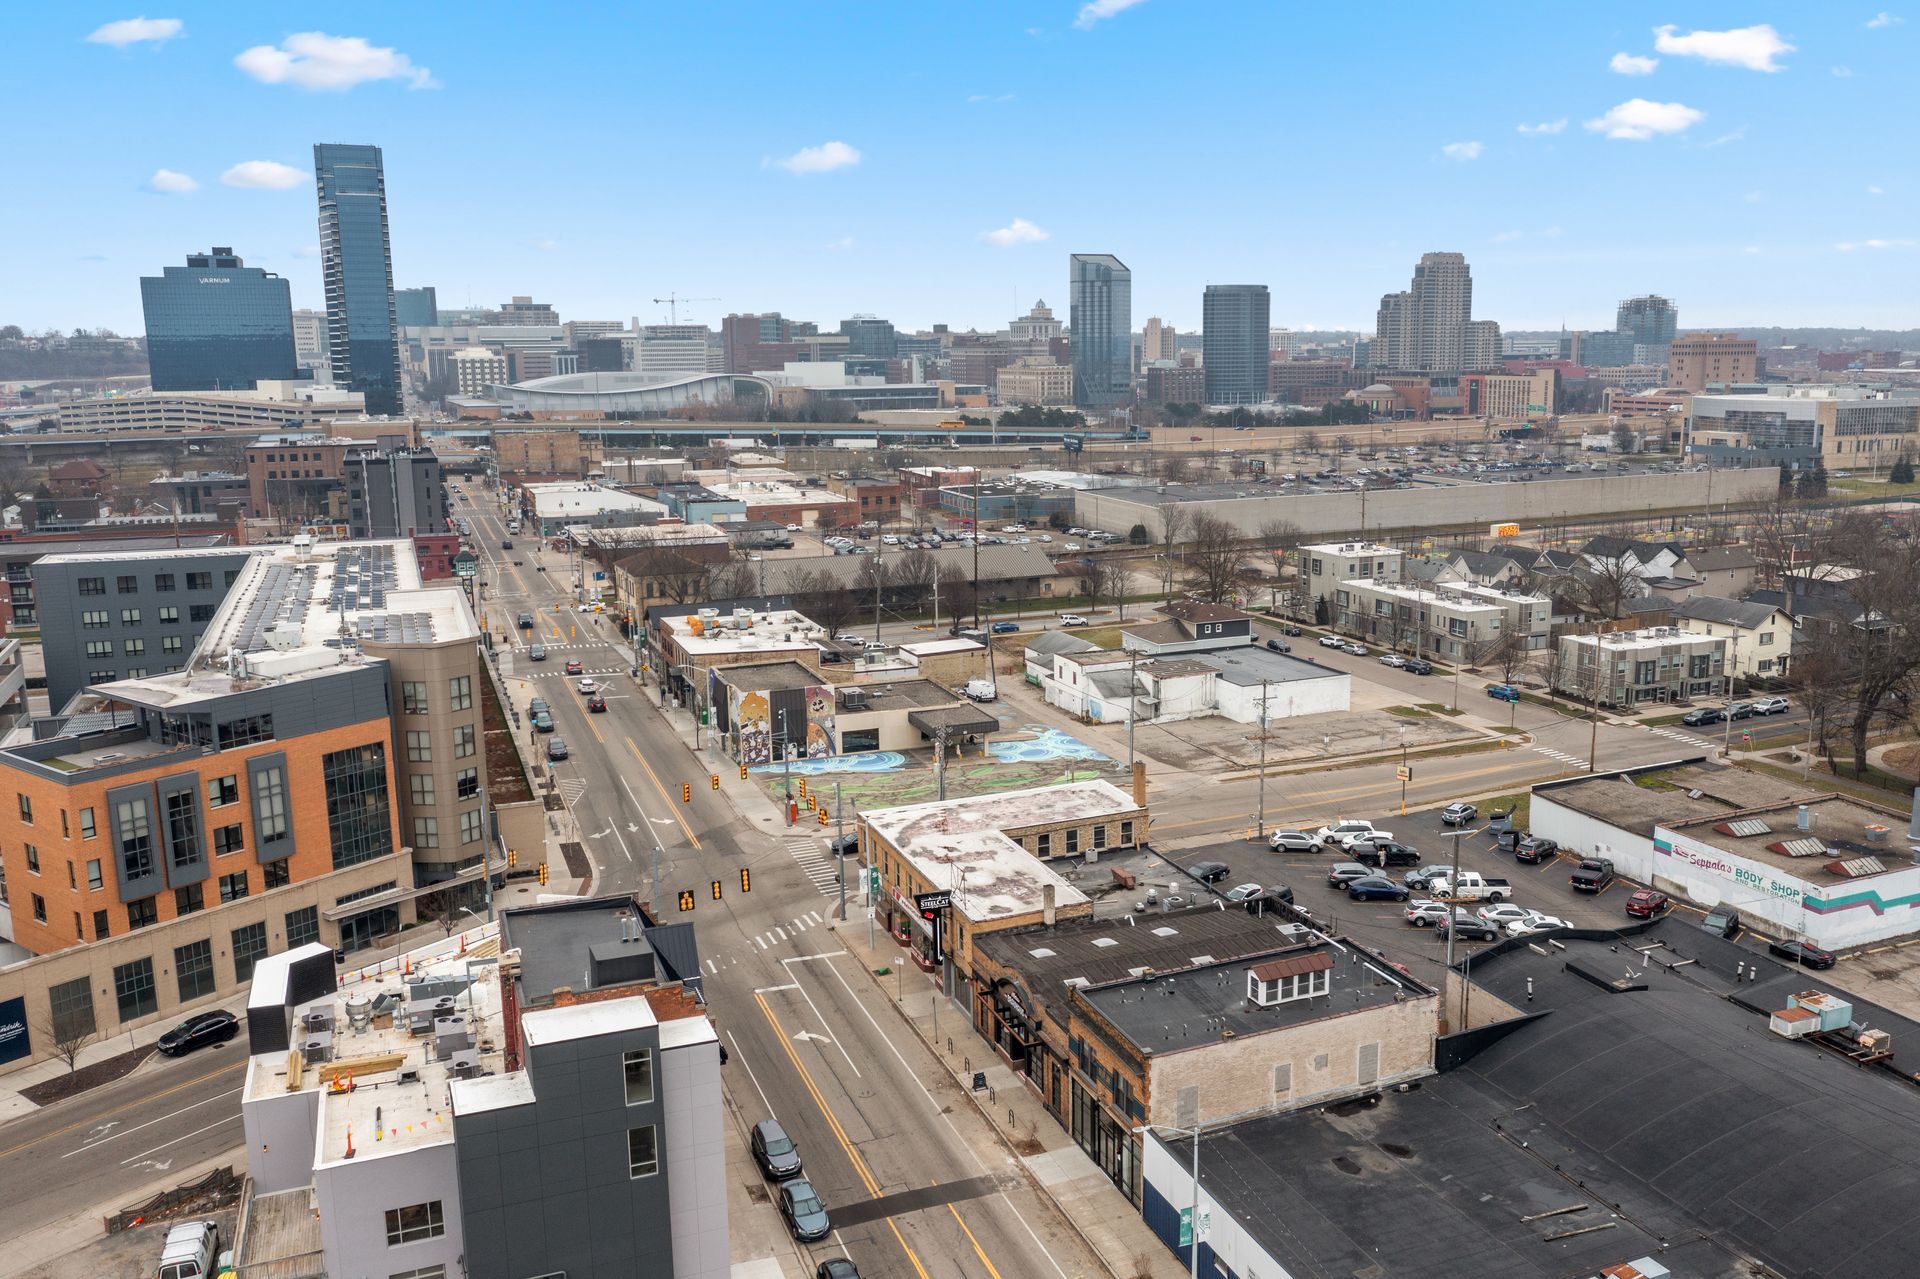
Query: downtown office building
1102	320
356	262
217	324
1234	342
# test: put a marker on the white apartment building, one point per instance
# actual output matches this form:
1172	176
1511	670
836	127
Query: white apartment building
1440	621
1528	617
1626	668
475	369
1759	636
1325	566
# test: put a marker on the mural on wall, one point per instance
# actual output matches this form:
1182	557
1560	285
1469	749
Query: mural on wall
819	722
750	720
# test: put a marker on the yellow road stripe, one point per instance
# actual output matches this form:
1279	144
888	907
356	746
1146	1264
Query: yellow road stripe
118	1110
673	805
978	1251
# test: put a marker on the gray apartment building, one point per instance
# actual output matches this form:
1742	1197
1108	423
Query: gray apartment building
395	493
114	615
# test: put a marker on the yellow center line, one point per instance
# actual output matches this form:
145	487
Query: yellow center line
853	1156
594	728
978	1251
141	1104
668	799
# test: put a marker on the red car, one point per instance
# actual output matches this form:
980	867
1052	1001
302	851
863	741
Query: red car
574	668
1647	903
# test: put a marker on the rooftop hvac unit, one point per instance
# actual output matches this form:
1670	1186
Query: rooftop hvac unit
314	1051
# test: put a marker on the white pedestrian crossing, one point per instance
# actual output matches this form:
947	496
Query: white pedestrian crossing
1676	735
571	789
1563	756
814	862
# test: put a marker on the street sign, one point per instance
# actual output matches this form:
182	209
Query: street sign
1404	773
928	902
873	879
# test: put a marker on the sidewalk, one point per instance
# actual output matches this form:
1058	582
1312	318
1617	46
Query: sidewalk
1088	1202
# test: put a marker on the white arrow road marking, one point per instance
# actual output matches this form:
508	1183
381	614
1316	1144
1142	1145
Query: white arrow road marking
804	1035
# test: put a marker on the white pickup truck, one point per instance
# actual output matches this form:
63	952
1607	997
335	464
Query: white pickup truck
1473	886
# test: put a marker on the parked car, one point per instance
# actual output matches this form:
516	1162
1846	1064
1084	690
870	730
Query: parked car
537	653
1279	646
1423	913
836	1268
1722	922
1771	706
1648	902
1503	692
844	845
1072	619
979	690
199	1030
1473	886
1458	813
1005	628
1358	650
1209	872
1805	954
1500	914
1352	844
1534	849
1332	641
1392	659
1702	716
1465	926
1292	841
1340	874
506	544
1243	892
556	749
805	1215
191	1251
1376	888
542	722
1419	666
1340	829
596	704
1421	880
774	1151
1535	922
1740	710
1592	874
1290	629
1385	852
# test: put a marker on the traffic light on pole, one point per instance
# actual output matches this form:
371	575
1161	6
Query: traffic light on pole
823	817
543	873
746	880
686	792
803	788
513	857
715	779
743	772
716	890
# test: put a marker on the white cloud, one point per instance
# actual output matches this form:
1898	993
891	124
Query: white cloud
148	31
840	245
1637	119
1545	126
1018	231
1755	197
1507	237
1734	135
1632	64
1462	150
1754	48
263	175
546	246
824	158
1882	20
167	182
1848	246
317	61
1098	10
1876	191
1551	232
306	251
989	97
1843	73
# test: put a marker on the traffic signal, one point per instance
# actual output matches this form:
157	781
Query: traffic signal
686	899
746	880
715	779
803	788
543	874
823	817
743	772
513	857
686	792
716	890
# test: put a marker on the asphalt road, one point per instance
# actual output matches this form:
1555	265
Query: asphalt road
110	1146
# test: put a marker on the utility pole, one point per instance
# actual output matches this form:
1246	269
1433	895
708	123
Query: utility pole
1133	703
1726	733
1260	820
840	848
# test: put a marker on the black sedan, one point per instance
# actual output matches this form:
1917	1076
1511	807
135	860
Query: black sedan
1279	646
1376	888
198	1031
1702	716
1209	872
836	1268
1799	952
1386	852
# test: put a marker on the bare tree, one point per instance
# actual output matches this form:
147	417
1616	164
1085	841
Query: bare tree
912	577
1174	520
871	584
819	596
1091	581
1820	666
66	1035
1216	558
1624	439
1114	577
1608	576
957	593
736	579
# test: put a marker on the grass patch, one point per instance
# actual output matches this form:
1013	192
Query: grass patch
1409	712
1440	708
1660	721
1107	637
1519	807
1653	782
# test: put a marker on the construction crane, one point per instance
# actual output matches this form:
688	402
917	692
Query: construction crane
673	301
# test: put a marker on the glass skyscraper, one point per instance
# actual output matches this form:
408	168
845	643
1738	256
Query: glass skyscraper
416	308
217	324
1102	339
1234	341
356	263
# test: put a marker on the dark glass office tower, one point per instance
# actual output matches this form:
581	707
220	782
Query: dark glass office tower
217	324
416	308
1102	339
356	261
1234	340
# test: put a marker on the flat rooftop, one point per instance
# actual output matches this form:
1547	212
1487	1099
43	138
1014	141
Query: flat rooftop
1845	840
422	1032
1650	637
1426	594
558	501
937	647
1250	664
770	676
151	550
1166	1010
779	631
761	492
897	694
304	610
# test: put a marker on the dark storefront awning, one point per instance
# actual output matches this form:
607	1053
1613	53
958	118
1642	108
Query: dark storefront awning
956	720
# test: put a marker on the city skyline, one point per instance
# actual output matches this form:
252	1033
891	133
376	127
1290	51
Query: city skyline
824	211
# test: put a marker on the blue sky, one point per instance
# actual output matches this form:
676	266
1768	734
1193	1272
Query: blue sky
824	159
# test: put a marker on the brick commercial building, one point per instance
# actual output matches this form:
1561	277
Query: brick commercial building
1703	361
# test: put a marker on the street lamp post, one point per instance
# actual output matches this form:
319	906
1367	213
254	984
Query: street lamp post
1193	1266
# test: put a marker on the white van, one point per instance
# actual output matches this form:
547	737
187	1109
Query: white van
191	1251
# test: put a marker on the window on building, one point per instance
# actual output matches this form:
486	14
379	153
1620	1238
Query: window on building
440	1272
244	732
194	964
1043	844
94	881
170	615
39	908
133	990
1073	840
426	832
26	809
643	1152
189	898
460	692
420	789
1645	672
71	1006
249	946
95	619
415	1222
277	874
233	887
228	840
163	581
169	643
303	926
470	826
87	828
134	647
199	612
639	1071
136	672
222	791
100	929
232	575
199	581
463	741
93	586
270	804
413	697
183	828
359	823
129	617
467	783
33	859
99	649
420	747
